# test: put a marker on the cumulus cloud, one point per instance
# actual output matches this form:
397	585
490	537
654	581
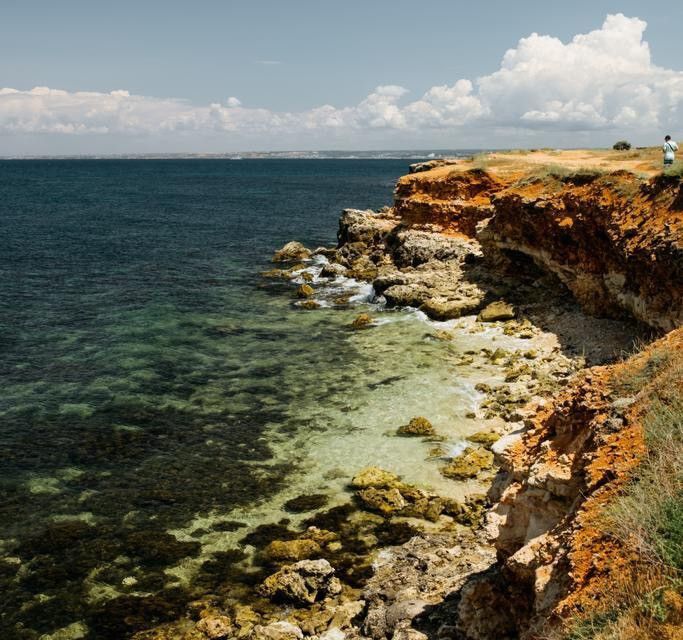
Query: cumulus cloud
600	80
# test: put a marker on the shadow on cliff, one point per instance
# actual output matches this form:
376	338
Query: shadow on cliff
484	608
546	302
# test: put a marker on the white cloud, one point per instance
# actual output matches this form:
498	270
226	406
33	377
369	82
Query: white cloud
602	80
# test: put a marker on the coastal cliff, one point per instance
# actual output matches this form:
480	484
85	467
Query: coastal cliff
613	241
569	521
612	238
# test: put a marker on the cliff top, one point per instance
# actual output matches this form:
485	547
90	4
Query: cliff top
644	163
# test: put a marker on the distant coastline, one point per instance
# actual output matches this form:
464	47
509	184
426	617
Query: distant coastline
407	154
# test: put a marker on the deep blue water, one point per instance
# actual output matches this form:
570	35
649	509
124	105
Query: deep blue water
133	327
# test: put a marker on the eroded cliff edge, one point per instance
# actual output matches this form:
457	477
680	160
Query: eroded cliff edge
613	239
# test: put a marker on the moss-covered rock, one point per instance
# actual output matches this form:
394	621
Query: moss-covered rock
418	426
291	251
469	464
362	321
302	583
484	438
305	291
382	500
276	274
374	477
303	503
290	550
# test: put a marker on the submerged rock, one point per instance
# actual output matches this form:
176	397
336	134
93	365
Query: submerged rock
215	627
362	321
310	305
303	503
245	620
499	310
374	477
383	500
469	464
281	630
305	291
484	438
302	583
291	550
292	251
418	426
277	274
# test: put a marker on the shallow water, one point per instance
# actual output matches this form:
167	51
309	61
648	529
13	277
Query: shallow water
156	390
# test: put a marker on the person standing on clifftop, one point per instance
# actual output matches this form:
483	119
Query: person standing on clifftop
669	149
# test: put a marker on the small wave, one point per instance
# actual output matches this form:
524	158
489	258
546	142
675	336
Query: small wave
455	449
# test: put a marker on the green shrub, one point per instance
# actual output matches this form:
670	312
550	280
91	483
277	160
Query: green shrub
621	145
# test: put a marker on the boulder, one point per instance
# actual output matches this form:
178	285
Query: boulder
362	321
291	550
362	226
332	270
406	295
418	426
374	477
328	252
363	268
499	310
484	438
444	309
215	627
412	248
384	501
281	630
469	464
277	274
305	291
302	583
245	620
309	305
292	251
408	633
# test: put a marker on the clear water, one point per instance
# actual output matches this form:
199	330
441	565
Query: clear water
155	387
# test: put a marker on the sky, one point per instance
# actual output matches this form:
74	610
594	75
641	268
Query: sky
84	77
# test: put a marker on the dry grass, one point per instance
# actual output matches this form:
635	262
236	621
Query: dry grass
675	170
648	517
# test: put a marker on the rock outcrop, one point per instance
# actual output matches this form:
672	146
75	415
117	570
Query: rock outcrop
556	478
302	583
614	240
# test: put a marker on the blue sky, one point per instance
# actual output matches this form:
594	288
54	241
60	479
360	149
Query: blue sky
280	61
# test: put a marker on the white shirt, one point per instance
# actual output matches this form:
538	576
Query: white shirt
669	147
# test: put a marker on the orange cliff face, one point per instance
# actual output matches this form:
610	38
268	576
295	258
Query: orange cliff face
614	239
557	479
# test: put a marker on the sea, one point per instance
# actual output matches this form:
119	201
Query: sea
161	398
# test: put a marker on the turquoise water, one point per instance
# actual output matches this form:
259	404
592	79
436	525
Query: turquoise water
161	401
134	329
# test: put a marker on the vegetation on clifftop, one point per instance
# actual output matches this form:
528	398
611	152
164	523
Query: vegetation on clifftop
648	516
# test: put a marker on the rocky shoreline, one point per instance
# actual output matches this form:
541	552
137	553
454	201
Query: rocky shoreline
390	563
400	562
